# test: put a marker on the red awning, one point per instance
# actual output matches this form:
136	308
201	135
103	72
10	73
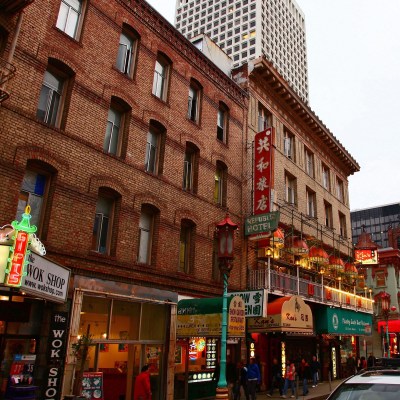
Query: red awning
393	325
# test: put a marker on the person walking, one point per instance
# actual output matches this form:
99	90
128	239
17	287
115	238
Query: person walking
305	375
241	387
253	378
290	376
142	389
315	366
276	378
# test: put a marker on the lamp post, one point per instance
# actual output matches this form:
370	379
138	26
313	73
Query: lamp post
226	231
385	303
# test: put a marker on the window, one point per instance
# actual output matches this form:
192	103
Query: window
328	215
290	189
127	50
220	185
104	222
116	121
161	77
342	225
339	189
194	101
380	277
311	202
288	145
53	99
146	233
70	17
33	192
309	162
186	245
222	123
325	177
264	118
190	168
154	148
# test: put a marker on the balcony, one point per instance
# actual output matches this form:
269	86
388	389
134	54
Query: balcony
285	284
12	7
7	71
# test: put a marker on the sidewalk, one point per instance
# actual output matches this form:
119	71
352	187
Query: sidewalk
320	392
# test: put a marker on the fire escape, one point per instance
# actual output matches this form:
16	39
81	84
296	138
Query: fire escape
8	9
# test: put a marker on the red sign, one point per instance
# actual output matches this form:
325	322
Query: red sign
366	256
263	170
17	257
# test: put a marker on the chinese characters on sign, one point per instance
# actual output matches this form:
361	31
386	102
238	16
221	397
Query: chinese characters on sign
262	170
366	256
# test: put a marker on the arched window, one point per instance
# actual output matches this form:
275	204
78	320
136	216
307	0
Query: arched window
127	50
220	183
147	228
186	245
194	101
191	168
162	72
222	122
155	148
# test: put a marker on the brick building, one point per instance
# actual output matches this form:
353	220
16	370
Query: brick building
128	145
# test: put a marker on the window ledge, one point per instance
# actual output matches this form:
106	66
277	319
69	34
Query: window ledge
96	254
78	42
195	123
128	77
160	100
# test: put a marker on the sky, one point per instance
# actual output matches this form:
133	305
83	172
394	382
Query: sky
353	53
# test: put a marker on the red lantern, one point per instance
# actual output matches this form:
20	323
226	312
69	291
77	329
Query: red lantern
226	232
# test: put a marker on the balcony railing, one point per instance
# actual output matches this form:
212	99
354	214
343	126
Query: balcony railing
285	284
7	71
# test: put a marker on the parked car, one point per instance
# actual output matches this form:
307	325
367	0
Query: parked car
377	383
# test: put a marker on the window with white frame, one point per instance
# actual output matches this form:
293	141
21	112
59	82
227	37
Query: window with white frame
264	118
127	51
190	168
288	145
154	148
342	225
194	100
146	234
326	177
309	162
290	189
70	17
328	215
339	189
102	225
186	246
161	77
222	122
220	183
311	203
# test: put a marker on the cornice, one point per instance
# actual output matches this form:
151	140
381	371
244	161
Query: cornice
156	23
261	69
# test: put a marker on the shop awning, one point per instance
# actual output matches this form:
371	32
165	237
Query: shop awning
286	314
343	322
203	317
393	326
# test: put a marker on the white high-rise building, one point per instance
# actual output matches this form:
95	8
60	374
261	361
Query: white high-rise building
246	29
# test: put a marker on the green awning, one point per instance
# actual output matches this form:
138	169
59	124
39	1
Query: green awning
343	322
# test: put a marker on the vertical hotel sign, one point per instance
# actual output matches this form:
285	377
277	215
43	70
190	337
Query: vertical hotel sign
17	262
263	170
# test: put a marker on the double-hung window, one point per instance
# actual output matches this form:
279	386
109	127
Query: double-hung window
222	123
264	118
102	225
186	246
311	203
194	101
127	50
112	137
220	184
146	227
190	168
309	162
290	189
325	177
161	76
288	145
69	17
151	152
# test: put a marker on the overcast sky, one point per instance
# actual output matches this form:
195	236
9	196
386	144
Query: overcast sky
353	51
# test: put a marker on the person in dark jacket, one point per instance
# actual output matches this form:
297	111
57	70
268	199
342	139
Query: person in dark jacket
304	375
276	378
315	367
242	382
253	378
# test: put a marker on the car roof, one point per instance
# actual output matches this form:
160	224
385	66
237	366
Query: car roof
376	376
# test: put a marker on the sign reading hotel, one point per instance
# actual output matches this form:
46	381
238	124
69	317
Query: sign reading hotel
257	225
255	302
366	256
288	314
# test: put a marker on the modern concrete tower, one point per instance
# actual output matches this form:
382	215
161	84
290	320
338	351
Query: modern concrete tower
247	29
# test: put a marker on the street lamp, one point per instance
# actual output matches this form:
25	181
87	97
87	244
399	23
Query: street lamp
226	232
385	303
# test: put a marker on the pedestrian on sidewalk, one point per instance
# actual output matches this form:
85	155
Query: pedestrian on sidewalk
253	378
276	378
315	366
304	375
290	376
242	382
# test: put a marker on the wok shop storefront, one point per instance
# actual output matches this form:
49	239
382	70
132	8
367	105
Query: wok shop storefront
198	346
286	333
343	332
